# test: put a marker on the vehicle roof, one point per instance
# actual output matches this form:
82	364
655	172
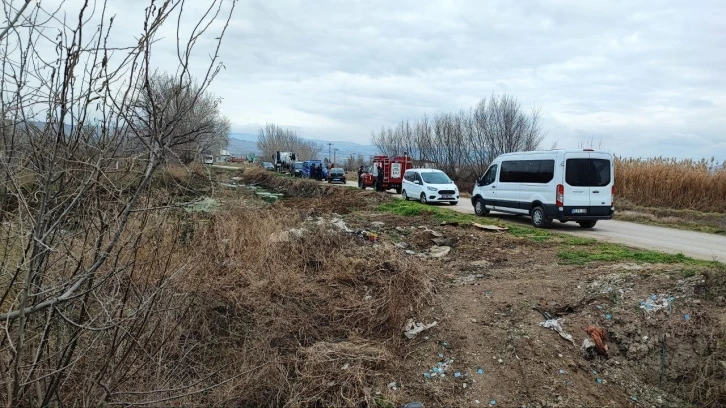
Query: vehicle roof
422	170
555	151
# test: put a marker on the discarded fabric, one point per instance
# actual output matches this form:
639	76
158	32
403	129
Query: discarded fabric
599	337
556	325
413	328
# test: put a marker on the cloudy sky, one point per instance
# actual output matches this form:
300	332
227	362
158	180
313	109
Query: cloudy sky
641	78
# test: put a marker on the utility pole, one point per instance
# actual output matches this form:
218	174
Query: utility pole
335	151
329	144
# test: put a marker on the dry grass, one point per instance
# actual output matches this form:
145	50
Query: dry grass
317	318
670	183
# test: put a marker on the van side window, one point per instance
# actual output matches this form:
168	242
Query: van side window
490	176
527	171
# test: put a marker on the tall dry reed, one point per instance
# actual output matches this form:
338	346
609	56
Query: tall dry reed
682	184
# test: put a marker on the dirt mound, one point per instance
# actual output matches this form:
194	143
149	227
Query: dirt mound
314	195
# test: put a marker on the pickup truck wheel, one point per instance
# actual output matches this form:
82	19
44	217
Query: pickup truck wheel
587	224
539	218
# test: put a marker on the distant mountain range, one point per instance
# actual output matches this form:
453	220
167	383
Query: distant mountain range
246	143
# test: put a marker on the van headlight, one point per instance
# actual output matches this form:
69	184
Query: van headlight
432	188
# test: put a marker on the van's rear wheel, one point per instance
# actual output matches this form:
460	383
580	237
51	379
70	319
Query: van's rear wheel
587	224
539	218
480	208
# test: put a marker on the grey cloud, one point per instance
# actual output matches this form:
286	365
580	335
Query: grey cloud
645	76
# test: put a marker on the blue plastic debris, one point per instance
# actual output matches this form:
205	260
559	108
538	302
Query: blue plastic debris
608	316
427	375
599	380
457	374
634	398
441	355
562	371
653	297
492	402
599	307
687	316
480	371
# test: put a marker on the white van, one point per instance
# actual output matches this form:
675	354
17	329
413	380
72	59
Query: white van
429	186
564	185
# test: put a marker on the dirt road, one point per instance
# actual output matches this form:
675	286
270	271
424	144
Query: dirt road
694	244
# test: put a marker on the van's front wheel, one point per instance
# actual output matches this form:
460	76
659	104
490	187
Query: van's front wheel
587	224
480	208
539	218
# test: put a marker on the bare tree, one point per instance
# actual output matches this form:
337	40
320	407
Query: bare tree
464	143
83	281
202	128
273	138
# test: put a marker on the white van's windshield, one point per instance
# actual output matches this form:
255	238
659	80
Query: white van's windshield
587	172
436	177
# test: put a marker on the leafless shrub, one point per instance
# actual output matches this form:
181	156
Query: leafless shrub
86	270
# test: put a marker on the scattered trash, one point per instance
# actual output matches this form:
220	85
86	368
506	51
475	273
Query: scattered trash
435	234
477	402
562	371
414	405
427	374
599	307
469	279
556	325
480	371
412	328
655	303
345	366
457	374
464	385
441	355
608	316
377	224
452	223
490	227
492	402
588	349
442	241
599	380
634	398
393	386
599	337
401	245
337	222
410	252
687	317
439	251
206	204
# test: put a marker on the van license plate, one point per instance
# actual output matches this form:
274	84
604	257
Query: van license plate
579	211
447	196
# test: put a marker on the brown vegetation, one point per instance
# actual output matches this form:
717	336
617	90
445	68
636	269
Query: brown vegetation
670	183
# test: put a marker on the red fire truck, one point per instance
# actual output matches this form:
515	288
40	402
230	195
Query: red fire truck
393	169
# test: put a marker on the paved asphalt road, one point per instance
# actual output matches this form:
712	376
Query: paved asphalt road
694	244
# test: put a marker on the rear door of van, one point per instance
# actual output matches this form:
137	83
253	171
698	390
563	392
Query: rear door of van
588	179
